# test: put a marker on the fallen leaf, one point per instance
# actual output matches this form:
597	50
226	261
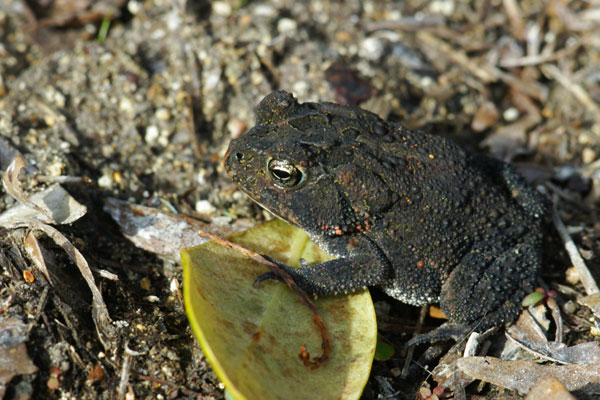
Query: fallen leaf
34	251
52	205
253	336
383	351
163	233
549	389
522	376
592	302
14	359
49	210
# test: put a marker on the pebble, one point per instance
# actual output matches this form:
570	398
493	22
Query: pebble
221	8
371	48
162	114
287	26
105	181
510	114
152	134
205	207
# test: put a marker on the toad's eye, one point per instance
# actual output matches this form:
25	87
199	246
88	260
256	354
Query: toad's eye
284	174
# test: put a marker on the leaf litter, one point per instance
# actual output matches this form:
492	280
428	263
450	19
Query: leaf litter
475	52
54	206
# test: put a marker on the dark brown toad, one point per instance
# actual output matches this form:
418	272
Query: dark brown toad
411	213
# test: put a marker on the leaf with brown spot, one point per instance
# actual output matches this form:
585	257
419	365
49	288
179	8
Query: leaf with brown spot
253	336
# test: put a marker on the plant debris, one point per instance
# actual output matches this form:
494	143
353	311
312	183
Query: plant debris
275	269
14	359
138	100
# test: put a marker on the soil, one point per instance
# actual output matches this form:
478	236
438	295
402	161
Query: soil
143	97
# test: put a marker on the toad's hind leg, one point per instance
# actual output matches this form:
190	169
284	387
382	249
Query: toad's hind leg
486	289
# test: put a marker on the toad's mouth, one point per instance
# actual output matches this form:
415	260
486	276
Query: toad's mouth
271	210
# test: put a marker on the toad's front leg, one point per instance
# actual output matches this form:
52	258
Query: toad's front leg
367	266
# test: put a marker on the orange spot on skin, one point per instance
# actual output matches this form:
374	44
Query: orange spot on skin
436	312
431	156
420	264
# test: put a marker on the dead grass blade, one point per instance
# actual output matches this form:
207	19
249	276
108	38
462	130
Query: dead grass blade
587	280
10	179
104	327
52	205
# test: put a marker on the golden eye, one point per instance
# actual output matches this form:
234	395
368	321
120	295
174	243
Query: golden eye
284	173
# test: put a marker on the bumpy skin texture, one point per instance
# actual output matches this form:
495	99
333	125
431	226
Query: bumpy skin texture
411	213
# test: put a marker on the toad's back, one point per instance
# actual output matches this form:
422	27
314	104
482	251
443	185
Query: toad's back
412	213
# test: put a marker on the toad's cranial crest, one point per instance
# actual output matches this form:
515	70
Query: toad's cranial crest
411	213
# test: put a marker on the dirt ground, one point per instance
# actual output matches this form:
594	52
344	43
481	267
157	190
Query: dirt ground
138	100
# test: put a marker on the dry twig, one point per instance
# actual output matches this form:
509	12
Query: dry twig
585	276
575	89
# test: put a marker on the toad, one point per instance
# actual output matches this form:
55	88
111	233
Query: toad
411	213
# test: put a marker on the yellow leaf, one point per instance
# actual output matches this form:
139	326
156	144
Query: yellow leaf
252	336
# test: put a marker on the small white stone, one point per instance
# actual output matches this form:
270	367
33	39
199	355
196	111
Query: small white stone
287	26
59	99
134	6
163	139
371	48
588	155
162	114
152	134
126	105
221	8
427	81
105	181
444	7
264	10
300	87
173	21
49	120
213	79
205	207
55	169
510	114
158	34
152	299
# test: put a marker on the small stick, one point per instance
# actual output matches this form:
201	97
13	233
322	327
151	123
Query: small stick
585	276
578	91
